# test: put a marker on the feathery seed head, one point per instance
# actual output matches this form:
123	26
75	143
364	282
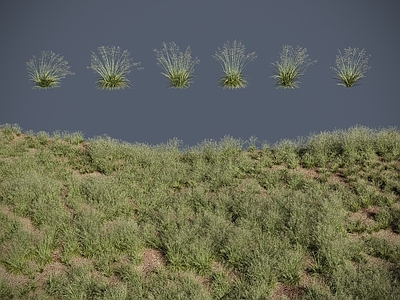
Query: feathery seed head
233	59
351	66
47	70
178	66
291	66
113	66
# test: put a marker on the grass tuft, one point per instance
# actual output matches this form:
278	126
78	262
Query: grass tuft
233	59
178	66
47	70
291	66
351	66
113	66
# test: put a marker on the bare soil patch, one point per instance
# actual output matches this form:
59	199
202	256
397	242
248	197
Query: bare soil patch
284	291
152	259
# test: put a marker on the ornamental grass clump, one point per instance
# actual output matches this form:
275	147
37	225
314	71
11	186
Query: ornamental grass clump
351	66
113	65
233	59
292	65
178	66
47	70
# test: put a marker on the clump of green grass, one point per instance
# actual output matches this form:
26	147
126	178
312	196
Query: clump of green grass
47	70
178	66
351	66
113	66
233	59
291	66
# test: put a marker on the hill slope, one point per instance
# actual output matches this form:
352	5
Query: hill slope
103	219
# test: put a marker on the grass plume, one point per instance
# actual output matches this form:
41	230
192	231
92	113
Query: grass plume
113	66
351	66
47	70
233	59
291	66
178	66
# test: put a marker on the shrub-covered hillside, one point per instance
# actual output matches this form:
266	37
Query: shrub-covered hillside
317	218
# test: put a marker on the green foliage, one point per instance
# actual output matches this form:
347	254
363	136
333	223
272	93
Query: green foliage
291	66
233	59
47	70
351	66
383	248
10	130
286	152
178	66
387	144
31	194
170	285
79	283
104	219
113	66
365	281
16	252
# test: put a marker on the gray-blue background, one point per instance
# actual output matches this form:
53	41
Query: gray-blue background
151	112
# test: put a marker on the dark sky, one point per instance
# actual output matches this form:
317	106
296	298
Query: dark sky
151	112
